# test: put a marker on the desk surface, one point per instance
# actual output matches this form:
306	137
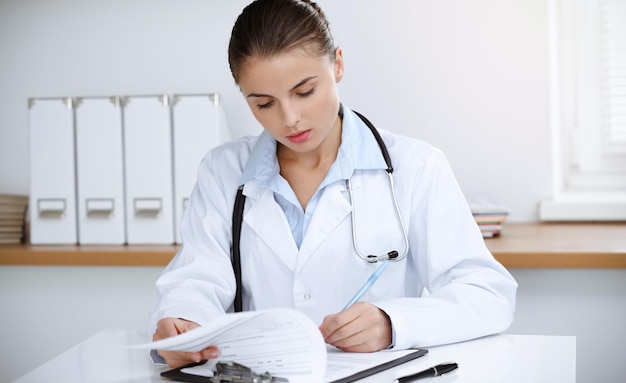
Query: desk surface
500	358
532	245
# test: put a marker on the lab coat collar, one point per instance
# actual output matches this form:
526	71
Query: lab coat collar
330	213
264	206
332	210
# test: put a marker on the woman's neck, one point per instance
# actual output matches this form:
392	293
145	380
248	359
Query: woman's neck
305	171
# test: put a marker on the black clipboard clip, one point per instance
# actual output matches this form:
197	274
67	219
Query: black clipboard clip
225	372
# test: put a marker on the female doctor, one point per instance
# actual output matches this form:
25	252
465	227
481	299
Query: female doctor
321	207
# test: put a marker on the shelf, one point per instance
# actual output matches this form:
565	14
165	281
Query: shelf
561	245
534	245
68	255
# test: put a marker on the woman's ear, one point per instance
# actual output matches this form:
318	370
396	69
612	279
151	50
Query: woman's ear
338	64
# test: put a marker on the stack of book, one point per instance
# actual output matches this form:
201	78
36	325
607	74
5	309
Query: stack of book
490	219
12	218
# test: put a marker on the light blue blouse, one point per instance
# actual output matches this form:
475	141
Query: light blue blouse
358	151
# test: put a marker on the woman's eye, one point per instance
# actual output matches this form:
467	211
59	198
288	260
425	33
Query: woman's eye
307	93
265	106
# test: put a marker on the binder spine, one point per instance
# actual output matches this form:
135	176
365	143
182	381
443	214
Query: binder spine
117	169
52	171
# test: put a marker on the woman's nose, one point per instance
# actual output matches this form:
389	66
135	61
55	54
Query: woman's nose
291	116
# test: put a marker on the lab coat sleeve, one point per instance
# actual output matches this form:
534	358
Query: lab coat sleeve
199	284
468	293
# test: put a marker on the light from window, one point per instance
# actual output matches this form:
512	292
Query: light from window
588	72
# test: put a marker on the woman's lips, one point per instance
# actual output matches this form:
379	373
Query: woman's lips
299	137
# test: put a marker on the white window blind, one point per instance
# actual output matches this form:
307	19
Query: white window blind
614	42
588	106
599	135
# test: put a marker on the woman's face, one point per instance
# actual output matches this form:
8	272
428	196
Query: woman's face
294	96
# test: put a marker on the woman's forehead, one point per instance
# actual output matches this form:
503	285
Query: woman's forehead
281	70
305	50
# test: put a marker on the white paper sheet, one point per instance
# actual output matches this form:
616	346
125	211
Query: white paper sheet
284	342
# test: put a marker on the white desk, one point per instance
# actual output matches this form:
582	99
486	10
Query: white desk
501	358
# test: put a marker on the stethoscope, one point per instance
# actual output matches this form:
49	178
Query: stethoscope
391	256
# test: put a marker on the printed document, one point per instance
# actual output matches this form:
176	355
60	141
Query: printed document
284	342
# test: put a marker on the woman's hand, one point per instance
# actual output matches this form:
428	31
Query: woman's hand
362	327
168	327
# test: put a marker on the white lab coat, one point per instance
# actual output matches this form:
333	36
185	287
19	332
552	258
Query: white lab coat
449	288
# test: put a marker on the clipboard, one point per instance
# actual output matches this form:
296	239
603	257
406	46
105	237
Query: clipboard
382	367
178	374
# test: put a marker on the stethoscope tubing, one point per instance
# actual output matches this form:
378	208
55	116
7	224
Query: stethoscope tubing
386	257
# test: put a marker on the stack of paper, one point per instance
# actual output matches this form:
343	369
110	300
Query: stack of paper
12	215
490	218
282	342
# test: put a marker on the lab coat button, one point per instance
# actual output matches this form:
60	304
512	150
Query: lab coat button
307	297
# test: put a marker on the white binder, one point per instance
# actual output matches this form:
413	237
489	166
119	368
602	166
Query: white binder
52	209
148	170
198	125
100	171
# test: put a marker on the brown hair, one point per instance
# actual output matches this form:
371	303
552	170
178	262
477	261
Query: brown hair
266	28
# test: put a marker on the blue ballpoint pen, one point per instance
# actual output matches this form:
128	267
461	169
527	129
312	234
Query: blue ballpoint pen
368	284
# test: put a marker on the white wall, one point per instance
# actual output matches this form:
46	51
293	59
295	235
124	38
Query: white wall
469	76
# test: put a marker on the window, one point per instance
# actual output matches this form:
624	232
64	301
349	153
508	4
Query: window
588	86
